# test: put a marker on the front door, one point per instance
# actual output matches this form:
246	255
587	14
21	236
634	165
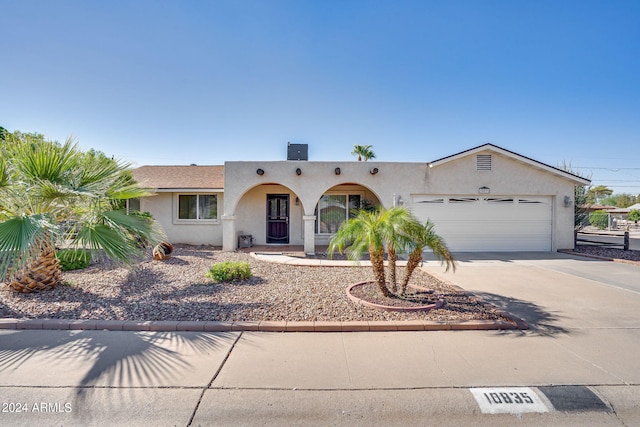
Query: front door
277	218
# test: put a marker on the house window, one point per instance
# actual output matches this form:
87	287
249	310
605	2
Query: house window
198	207
133	205
334	209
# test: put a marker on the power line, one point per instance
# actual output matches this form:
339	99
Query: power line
608	169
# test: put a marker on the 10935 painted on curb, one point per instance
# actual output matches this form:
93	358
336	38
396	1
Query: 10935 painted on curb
37	407
508	397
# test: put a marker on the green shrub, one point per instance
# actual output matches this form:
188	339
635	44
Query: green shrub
634	215
599	219
73	259
229	271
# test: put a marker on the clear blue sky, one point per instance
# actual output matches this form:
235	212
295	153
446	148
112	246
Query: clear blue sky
179	82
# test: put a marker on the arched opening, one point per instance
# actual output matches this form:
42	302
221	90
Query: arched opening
336	206
270	213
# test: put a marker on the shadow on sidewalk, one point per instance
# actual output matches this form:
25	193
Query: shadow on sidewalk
540	321
115	360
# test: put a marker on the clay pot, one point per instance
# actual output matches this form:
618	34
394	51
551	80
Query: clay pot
162	251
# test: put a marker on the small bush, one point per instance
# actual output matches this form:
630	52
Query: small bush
599	219
229	271
73	259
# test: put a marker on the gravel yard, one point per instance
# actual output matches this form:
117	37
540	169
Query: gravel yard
606	252
176	289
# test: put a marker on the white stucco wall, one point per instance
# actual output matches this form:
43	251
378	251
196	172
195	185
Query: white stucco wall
162	207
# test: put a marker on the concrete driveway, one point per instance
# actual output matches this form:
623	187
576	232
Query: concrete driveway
552	290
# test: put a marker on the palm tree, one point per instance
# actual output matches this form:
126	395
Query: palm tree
371	231
49	193
364	152
396	229
423	237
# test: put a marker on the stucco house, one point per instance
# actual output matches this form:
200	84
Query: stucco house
483	199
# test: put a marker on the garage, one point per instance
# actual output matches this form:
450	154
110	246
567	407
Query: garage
489	223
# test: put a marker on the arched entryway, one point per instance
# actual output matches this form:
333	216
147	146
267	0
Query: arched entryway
336	206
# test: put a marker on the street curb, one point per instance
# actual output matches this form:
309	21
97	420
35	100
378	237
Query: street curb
263	326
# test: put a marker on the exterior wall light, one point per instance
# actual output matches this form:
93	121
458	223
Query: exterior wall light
298	171
337	171
260	172
484	190
567	201
373	171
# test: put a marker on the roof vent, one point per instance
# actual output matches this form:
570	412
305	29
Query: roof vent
297	151
483	162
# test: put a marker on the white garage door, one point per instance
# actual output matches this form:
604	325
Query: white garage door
475	224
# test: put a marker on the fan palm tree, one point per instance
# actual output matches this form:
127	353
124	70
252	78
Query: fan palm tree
424	236
51	192
364	152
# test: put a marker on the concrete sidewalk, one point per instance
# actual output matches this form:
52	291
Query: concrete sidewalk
584	340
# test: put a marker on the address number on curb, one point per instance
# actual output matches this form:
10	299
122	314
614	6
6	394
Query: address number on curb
508	400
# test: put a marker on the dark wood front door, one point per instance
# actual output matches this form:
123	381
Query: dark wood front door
277	218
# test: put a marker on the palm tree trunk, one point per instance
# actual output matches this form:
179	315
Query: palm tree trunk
43	273
414	260
377	263
393	257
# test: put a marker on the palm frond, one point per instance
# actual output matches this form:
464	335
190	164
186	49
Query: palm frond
46	161
4	173
21	241
115	244
429	239
136	225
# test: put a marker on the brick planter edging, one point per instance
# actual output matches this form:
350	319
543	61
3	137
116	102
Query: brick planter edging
264	326
433	306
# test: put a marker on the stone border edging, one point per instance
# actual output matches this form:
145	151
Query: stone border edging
263	326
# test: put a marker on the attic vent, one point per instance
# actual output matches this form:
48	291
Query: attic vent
483	162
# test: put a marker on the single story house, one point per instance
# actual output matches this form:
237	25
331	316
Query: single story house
483	199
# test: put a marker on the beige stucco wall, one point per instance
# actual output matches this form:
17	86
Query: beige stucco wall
243	186
242	210
162	205
246	191
251	214
509	177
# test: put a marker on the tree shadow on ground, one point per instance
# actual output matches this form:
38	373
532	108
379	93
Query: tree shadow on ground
540	321
114	359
